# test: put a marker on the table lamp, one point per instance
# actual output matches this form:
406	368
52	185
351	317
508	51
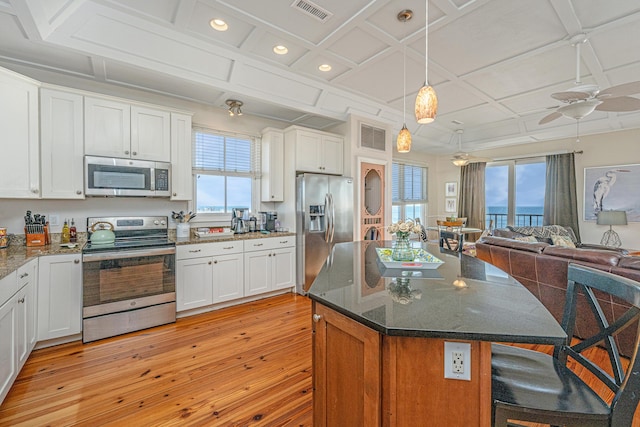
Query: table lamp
610	218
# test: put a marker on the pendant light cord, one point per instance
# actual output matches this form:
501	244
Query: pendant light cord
426	44
404	85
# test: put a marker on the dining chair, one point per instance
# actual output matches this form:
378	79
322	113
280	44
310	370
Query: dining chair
450	235
537	387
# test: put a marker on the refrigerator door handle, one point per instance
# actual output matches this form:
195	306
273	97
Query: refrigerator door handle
327	207
333	217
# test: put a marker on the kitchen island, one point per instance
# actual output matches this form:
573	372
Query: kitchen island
380	334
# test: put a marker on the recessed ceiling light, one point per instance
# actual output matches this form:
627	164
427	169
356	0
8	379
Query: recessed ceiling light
280	49
218	24
325	67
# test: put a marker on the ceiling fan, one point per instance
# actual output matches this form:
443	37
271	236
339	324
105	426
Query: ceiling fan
461	158
582	100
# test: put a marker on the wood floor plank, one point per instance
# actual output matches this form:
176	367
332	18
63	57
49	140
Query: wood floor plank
248	363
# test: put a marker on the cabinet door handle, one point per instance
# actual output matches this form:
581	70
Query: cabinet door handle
78	192
34	190
175	194
126	152
209	262
76	261
21	300
134	153
227	247
195	250
215	262
316	318
22	276
258	244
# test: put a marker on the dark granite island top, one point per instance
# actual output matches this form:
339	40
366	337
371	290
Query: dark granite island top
379	353
492	307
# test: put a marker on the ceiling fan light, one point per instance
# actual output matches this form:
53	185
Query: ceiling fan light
403	143
460	162
426	105
578	110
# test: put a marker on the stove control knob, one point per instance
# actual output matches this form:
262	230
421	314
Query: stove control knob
163	222
156	222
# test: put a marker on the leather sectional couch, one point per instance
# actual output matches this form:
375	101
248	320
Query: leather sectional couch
542	268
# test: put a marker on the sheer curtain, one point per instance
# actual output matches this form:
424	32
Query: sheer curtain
472	201
560	195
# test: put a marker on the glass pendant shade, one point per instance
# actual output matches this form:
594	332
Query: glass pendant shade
426	105
403	144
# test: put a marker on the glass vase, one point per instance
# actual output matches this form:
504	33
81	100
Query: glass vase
402	250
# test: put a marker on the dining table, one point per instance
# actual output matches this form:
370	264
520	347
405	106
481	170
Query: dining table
381	327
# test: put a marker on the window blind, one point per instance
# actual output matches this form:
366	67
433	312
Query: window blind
409	183
217	152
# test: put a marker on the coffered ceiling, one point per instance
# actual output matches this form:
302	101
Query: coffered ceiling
493	63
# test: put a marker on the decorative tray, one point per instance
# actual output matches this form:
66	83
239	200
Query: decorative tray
422	259
213	232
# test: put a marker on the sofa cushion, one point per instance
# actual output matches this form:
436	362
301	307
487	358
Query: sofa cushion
535	247
544	232
586	255
562	241
526	239
632	262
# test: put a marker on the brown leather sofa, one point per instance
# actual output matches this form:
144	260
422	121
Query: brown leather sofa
542	268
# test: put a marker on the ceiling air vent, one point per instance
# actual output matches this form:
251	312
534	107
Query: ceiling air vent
312	10
371	137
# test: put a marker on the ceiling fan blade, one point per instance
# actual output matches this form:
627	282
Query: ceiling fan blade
621	90
620	103
570	96
550	117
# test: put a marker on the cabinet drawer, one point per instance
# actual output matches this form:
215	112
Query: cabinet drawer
8	287
269	243
208	249
25	274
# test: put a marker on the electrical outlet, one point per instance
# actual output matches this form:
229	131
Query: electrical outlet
457	360
54	220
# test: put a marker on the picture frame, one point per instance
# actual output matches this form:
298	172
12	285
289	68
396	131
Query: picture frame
451	189
450	205
612	188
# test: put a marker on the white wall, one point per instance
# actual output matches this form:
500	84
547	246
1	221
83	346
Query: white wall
614	148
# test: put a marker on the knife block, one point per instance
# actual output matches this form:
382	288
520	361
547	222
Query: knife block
37	237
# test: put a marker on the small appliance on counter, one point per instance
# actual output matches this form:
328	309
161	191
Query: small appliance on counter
240	220
270	219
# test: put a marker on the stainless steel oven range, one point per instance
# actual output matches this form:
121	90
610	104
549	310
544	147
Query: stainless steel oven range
128	276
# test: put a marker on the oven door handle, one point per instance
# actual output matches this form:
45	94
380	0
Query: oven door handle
106	256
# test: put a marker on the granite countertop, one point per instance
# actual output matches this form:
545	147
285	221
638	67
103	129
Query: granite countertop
233	237
427	303
17	254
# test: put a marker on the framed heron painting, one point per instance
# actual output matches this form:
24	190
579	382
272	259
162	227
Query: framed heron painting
612	188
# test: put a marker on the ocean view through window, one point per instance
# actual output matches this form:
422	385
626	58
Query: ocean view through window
514	193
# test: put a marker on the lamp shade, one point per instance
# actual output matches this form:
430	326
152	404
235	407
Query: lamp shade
403	143
426	105
612	218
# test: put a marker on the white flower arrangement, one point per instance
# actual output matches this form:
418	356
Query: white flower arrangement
405	227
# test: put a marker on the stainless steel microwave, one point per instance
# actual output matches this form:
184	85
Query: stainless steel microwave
125	177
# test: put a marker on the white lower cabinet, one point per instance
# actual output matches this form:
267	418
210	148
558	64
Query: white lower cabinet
208	273
59	296
270	264
17	323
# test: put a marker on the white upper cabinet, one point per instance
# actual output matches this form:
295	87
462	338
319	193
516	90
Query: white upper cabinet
150	134
61	144
107	128
316	151
119	129
20	176
272	165
181	178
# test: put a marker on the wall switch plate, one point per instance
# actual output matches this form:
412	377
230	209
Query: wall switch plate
457	360
54	220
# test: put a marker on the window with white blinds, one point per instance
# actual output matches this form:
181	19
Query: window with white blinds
225	170
408	192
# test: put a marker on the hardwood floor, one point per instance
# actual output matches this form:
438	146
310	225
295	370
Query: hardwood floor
240	366
248	365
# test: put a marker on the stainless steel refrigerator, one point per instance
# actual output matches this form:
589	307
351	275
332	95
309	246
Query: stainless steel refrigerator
324	205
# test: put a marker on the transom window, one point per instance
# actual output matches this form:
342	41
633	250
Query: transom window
225	170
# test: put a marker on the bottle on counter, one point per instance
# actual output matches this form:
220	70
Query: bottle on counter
73	234
65	237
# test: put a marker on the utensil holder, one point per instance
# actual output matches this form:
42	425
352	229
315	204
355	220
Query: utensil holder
183	229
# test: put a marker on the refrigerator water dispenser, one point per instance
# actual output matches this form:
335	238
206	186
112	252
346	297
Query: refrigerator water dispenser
316	218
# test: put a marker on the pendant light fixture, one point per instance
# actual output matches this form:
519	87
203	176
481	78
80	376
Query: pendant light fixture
426	101
403	144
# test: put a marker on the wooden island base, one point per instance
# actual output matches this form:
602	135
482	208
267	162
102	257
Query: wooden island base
362	377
